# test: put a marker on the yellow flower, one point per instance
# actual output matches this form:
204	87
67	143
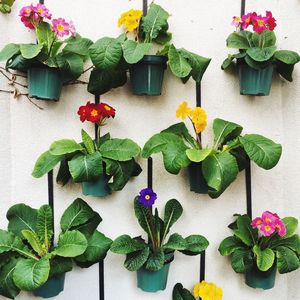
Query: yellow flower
207	291
199	127
183	110
130	19
198	115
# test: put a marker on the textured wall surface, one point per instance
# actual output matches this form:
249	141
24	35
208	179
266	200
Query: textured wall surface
202	27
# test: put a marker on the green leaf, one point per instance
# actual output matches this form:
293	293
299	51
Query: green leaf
225	131
86	167
265	39
9	51
154	22
88	142
172	148
90	226
287	57
286	71
178	64
45	163
176	242
264	152
229	245
30	274
45	225
287	260
45	35
264	258
196	244
219	171
180	293
20	217
257	65
19	63
60	265
65	146
124	244
292	242
33	240
78	45
134	52
70	64
242	260
106	53
198	155
291	225
78	213
163	38
29	51
239	40
63	174
156	260
261	54
119	149
245	232
71	244
136	260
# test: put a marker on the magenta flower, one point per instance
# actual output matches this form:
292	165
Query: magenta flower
26	11
236	21
280	228
246	20
271	22
42	11
27	23
72	28
256	222
60	27
260	23
147	197
267	229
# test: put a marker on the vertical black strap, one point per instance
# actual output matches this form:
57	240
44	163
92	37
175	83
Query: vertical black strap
51	200
243	7
202	266
150	172
145	7
41	1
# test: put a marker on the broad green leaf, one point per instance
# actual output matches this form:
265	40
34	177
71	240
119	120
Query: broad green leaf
71	65
124	244
180	293
227	62
90	226
219	171
198	155
264	152
9	51
18	63
65	146
119	149
30	274
29	51
136	260
156	260
63	174
265	39
134	52
239	40
261	54
245	232
106	53
176	242
86	167
178	63
292	242
286	71
229	245
225	131
264	258
33	240
287	57
257	65
196	244
78	45
291	225
287	260
45	35
78	213
163	38
70	244
60	265
44	225
45	163
242	260
88	142
20	217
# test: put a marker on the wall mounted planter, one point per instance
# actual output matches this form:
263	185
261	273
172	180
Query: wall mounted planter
51	288
44	83
261	280
255	82
97	188
147	75
197	181
153	281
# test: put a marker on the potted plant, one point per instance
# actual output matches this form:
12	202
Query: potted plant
52	61
202	290
5	6
94	163
260	247
258	56
211	169
151	259
29	259
135	51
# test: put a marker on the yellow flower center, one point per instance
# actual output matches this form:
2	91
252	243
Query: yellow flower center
28	11
147	197
267	228
94	113
40	11
268	220
60	27
107	107
260	23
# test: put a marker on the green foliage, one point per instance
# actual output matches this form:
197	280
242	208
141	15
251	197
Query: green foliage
6	5
180	293
264	258
134	52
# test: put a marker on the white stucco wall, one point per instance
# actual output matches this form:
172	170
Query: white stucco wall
202	27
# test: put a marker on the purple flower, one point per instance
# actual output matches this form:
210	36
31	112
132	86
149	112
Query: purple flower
147	197
60	27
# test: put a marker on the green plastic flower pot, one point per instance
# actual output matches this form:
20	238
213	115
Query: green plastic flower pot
97	188
51	288
147	75
197	181
44	83
255	82
261	280
153	281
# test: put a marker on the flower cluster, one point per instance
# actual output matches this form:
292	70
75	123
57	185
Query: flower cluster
197	116
260	23
207	291
130	19
32	16
147	197
96	113
269	223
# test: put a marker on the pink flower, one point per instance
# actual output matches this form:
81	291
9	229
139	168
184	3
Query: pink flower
256	222
236	21
260	23
27	23
26	11
72	28
269	217
267	229
280	228
271	22
60	27
42	11
246	20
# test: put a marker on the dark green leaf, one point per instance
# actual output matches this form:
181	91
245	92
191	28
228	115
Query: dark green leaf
124	244
239	40
242	260
136	260
196	244
65	146
180	293
155	260
44	225
60	265
176	242
287	57
229	245
245	232
88	142
261	54
9	51
287	260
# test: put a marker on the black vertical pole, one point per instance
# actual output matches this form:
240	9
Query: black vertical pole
243	7
150	172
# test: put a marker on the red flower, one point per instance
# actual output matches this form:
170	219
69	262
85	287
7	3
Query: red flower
107	110
83	112
271	22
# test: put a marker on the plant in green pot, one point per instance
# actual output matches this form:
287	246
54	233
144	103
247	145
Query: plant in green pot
260	247
52	61
151	258
102	165
211	169
258	56
6	5
30	261
144	50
